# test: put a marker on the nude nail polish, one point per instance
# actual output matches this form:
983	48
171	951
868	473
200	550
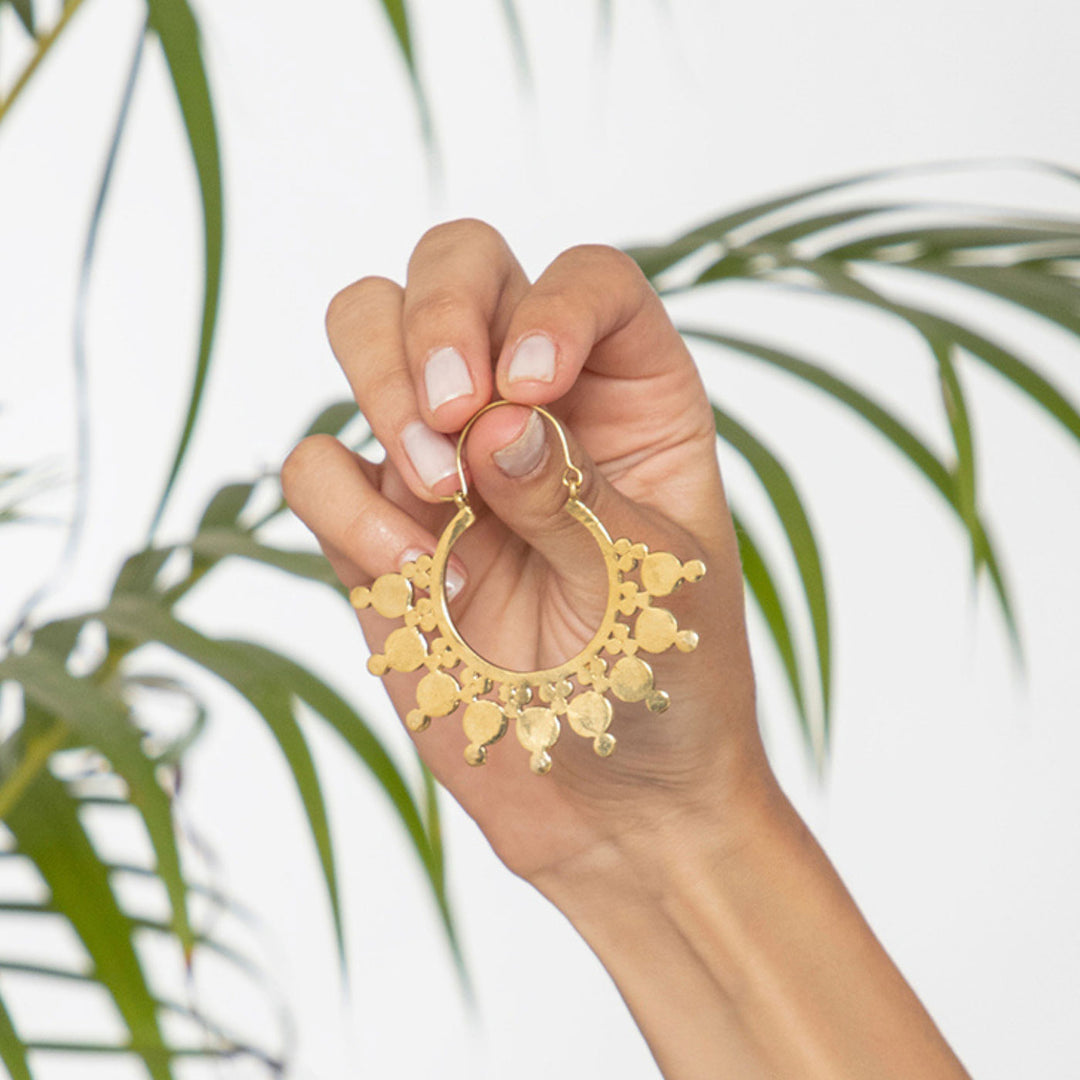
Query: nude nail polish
431	454
446	377
534	358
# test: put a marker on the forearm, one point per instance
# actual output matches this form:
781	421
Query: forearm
740	953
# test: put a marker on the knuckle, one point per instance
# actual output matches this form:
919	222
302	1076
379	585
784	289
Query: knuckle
305	459
350	304
605	260
556	308
438	306
385	392
457	233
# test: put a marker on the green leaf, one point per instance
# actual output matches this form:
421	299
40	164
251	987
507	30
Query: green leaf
885	422
59	636
895	432
176	28
517	41
216	544
331	421
1005	363
174	751
333	418
139	571
80	364
12	1050
432	821
762	586
272	697
101	720
244	662
226	505
226	1045
605	23
46	827
25	10
789	508
1045	294
398	17
804	227
958	415
30	751
207	892
656	258
49	909
944	240
937	330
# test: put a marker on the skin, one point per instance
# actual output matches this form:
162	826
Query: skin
678	859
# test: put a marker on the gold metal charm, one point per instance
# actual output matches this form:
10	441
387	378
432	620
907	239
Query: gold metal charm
494	696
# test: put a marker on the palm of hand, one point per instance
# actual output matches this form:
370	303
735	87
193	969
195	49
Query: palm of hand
526	612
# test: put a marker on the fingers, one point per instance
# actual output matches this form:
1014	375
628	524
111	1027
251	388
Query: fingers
593	307
364	326
462	286
419	359
517	464
363	533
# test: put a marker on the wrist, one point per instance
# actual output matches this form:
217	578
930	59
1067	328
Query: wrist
645	847
620	894
728	931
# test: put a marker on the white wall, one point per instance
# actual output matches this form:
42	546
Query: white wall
951	805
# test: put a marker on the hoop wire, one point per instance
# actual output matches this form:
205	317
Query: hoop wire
572	476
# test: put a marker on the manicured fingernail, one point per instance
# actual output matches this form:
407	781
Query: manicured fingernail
455	582
534	358
520	457
455	579
431	454
410	556
446	377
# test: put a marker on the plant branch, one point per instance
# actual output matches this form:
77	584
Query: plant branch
44	44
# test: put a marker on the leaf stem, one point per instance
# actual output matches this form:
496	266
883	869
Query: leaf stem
44	44
32	762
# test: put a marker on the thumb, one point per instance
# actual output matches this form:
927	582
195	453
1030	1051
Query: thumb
519	467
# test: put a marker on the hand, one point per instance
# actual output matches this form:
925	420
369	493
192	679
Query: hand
591	341
729	935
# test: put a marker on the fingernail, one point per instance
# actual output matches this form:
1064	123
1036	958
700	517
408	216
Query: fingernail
410	556
534	358
455	579
455	582
446	376
431	455
520	457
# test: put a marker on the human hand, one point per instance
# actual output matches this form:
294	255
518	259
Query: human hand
590	340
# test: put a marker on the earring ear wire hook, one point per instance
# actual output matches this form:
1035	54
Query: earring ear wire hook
572	476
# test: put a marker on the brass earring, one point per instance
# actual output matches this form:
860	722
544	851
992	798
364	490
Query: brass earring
492	695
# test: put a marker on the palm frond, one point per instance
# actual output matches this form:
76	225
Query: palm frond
1021	257
44	811
173	22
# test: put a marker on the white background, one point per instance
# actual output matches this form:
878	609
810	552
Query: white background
951	804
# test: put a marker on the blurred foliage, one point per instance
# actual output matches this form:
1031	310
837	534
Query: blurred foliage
826	241
87	733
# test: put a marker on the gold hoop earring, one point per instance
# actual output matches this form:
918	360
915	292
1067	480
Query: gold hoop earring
493	695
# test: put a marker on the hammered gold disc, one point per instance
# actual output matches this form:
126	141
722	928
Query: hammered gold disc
484	723
391	596
431	640
590	714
